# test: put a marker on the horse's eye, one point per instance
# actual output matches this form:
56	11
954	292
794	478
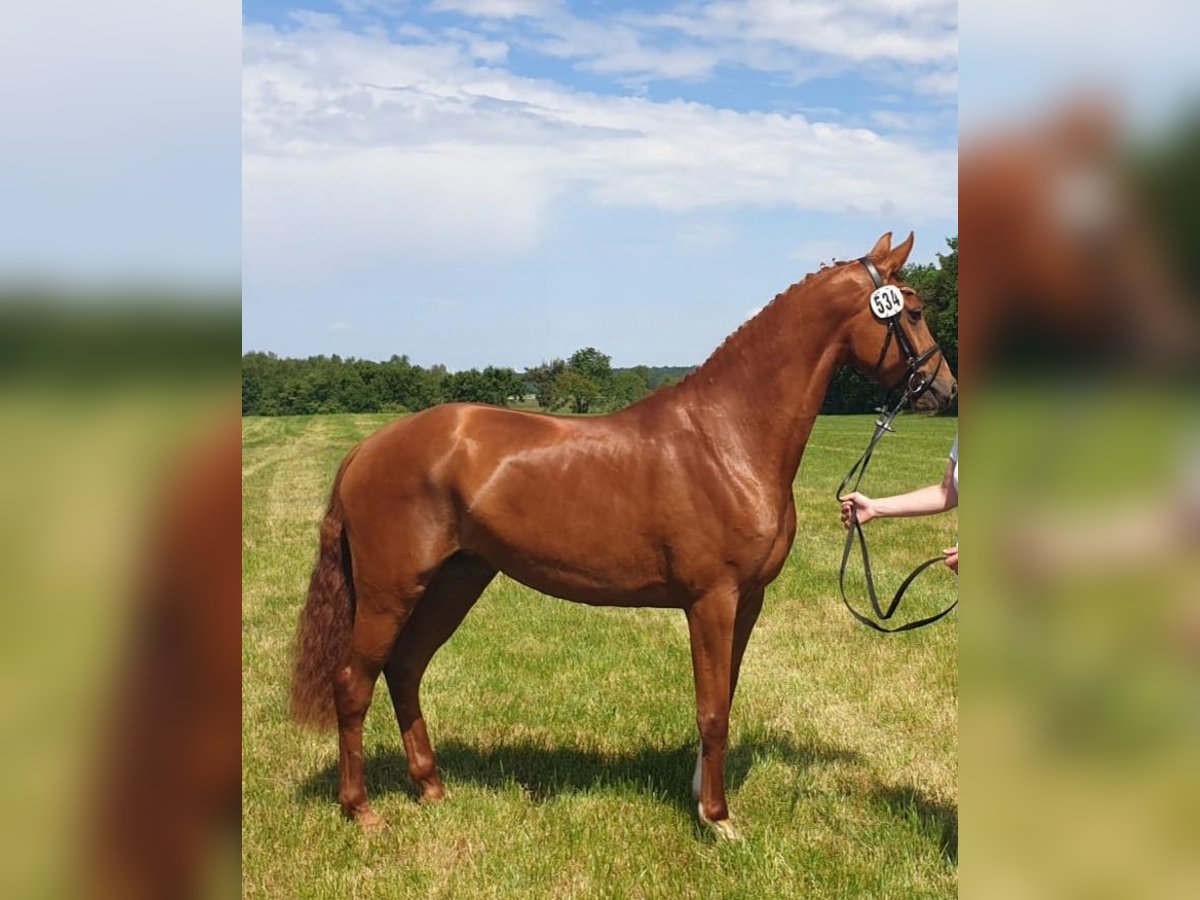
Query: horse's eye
914	315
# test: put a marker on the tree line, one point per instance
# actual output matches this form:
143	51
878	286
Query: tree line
585	382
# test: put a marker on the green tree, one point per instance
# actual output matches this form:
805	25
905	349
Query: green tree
580	390
255	383
493	385
922	278
503	385
945	330
628	386
544	381
467	386
350	392
593	364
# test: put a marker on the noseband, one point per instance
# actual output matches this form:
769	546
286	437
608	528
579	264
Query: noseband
915	384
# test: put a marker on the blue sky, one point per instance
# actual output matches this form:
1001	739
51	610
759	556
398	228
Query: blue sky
504	181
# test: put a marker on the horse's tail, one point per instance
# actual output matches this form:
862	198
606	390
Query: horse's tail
327	621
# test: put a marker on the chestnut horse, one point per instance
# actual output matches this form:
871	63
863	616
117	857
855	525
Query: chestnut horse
683	500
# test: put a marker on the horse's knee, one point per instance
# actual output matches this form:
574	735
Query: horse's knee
714	728
351	691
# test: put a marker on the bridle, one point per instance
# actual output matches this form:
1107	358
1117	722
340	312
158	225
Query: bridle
914	380
915	384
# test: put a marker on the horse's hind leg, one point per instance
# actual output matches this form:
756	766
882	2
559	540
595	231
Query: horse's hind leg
448	599
384	600
353	688
375	632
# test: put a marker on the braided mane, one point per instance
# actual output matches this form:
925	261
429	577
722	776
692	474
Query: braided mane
728	348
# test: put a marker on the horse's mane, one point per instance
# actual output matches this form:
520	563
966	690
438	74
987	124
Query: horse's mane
728	347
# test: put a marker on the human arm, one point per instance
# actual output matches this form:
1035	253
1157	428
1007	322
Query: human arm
933	498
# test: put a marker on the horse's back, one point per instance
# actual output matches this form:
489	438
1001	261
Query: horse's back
438	453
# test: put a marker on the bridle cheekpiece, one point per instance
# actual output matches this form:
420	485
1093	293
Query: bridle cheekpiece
887	305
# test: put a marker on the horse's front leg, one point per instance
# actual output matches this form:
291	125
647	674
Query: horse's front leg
749	606
710	624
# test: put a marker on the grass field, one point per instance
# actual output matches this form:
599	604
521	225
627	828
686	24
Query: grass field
842	771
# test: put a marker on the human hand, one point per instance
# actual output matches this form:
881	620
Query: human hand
951	560
860	505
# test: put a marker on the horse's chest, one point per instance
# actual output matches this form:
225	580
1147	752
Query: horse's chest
777	555
753	512
756	532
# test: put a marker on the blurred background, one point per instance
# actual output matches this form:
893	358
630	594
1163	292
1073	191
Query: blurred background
119	337
1079	196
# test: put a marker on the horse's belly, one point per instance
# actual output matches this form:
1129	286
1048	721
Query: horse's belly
585	569
594	592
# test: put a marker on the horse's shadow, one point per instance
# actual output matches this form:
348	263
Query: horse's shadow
937	820
664	774
545	773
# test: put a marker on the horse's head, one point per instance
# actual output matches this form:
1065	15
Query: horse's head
888	339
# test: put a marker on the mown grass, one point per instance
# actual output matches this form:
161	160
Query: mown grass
566	734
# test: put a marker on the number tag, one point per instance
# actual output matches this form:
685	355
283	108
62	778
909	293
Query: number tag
887	301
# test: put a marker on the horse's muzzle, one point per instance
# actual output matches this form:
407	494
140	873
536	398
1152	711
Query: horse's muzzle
937	397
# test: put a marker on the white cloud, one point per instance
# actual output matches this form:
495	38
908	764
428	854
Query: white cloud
619	49
340	328
905	121
800	40
917	31
496	9
943	82
359	150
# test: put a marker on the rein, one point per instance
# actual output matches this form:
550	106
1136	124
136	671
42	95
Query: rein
915	385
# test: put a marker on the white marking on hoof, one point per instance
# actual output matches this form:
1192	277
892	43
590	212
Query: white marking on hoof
696	775
722	829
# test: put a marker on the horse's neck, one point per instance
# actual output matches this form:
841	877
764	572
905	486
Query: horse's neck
764	387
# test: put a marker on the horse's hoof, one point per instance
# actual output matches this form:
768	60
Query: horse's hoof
370	821
722	829
431	794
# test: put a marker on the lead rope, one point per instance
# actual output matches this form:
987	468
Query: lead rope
882	426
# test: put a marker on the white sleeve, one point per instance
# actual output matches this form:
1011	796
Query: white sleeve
954	450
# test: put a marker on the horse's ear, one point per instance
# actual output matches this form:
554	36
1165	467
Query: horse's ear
898	256
882	246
